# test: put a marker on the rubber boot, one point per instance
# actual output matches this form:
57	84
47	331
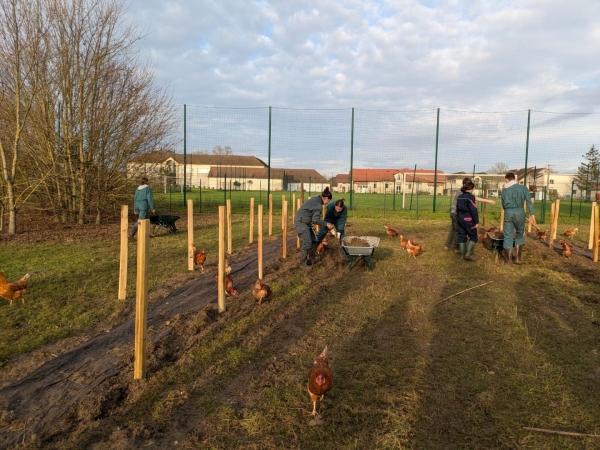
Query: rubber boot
469	254
303	257
132	232
507	255
312	253
518	259
463	249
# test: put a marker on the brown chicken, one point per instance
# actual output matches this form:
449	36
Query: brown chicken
493	229
570	232
227	266
404	242
541	235
414	250
199	258
567	249
390	231
322	245
482	237
261	291
13	291
229	290
320	379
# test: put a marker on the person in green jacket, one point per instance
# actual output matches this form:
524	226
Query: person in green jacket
335	214
513	195
142	202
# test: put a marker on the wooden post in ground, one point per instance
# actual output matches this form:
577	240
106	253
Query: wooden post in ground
556	214
141	295
190	240
270	214
282	220
528	226
298	237
502	219
596	231
251	237
229	248
221	262
122	295
591	240
284	214
552	231
260	242
485	191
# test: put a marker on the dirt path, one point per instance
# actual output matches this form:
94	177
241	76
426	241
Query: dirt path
35	403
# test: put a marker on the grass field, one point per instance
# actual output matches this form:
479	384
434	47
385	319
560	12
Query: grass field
574	212
415	365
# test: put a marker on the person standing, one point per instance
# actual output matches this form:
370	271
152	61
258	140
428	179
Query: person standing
452	239
142	203
335	214
307	215
468	220
513	195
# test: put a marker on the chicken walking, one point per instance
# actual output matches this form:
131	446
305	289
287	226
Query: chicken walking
320	379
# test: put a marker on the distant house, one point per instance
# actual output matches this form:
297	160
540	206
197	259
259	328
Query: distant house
373	181
420	181
257	179
341	183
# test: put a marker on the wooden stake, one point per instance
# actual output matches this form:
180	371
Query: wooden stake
270	214
591	241
221	263
563	433
465	290
529	223
251	237
190	240
502	219
298	237
551	232
596	233
282	220
141	295
229	231
122	295
260	242
556	214
284	214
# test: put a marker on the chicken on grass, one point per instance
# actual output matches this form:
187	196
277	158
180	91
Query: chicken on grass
320	379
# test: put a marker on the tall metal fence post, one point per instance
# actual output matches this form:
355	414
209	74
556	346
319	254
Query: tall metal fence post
437	137
269	158
527	148
184	149
351	161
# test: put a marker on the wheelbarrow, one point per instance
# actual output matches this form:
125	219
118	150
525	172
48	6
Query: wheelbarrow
163	223
497	240
355	253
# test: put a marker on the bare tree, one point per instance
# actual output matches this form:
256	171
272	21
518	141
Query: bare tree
21	54
499	167
99	108
220	150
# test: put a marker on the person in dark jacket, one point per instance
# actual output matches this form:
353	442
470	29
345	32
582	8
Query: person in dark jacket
142	202
468	219
513	196
309	214
335	214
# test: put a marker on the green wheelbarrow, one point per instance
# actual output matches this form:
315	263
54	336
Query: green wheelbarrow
353	252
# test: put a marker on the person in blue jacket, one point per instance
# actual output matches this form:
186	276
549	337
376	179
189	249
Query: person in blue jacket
309	214
142	203
468	220
513	197
335	214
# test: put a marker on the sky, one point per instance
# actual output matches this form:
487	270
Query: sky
384	55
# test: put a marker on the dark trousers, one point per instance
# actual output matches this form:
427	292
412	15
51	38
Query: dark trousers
452	239
307	235
465	229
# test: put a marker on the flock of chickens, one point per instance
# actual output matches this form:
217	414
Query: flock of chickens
407	244
567	249
320	376
259	292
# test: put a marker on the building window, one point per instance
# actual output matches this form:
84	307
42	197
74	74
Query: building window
551	181
386	185
374	185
